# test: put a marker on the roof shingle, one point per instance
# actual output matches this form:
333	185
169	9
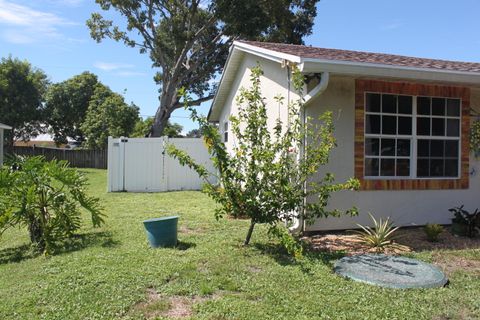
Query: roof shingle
367	57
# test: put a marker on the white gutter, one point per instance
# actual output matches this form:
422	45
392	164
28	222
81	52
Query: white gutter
4	126
298	224
319	88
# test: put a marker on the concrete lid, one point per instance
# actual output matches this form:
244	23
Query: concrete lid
390	271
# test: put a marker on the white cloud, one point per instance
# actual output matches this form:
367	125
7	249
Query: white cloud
130	74
111	66
119	69
69	3
27	25
393	26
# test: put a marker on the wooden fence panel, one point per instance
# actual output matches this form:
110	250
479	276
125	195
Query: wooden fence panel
78	158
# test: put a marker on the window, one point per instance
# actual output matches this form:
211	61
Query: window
411	136
225	131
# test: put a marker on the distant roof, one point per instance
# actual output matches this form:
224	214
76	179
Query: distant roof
366	57
4	126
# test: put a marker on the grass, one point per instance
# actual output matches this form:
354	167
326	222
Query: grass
107	273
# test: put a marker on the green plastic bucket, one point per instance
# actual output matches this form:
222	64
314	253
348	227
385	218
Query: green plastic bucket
161	232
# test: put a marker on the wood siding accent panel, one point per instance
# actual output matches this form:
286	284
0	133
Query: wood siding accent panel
414	89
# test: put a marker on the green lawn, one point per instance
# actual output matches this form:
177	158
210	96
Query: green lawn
111	273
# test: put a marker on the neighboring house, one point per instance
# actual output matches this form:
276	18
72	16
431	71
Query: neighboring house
401	123
2	128
44	140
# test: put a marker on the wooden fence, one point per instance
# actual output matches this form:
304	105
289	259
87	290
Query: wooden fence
78	158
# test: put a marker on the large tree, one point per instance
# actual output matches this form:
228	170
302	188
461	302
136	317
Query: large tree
67	104
188	40
143	128
22	88
107	115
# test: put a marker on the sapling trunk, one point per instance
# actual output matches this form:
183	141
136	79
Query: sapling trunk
249	233
36	234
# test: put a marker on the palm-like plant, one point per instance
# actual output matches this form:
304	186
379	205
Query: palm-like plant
45	196
380	237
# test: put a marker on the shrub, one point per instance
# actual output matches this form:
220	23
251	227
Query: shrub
433	231
380	237
263	177
44	196
471	220
292	245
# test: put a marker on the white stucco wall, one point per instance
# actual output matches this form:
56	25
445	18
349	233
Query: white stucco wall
274	82
406	208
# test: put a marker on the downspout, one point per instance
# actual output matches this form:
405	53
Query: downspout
298	224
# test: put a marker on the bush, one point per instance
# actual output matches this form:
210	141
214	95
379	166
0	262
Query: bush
44	196
266	176
471	220
433	231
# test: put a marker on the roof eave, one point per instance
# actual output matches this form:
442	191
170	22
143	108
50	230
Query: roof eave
351	68
238	49
388	71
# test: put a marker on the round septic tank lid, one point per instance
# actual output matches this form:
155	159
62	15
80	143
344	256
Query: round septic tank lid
390	271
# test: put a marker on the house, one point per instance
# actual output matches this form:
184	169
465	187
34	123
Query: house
44	140
401	123
2	128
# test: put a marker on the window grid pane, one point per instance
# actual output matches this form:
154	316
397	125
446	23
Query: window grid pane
387	117
389	136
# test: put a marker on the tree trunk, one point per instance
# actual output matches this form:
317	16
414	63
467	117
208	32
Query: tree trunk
36	234
159	124
249	233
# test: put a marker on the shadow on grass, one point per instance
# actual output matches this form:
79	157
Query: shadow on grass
17	254
84	240
281	256
184	245
75	243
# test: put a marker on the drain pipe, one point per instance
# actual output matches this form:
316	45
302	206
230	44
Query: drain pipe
298	224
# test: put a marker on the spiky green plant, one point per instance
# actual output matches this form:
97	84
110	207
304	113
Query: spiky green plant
380	237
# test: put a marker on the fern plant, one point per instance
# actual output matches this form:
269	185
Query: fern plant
380	237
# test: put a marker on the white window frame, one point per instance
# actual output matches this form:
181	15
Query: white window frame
413	137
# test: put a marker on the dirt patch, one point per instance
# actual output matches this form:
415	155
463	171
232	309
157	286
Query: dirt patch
452	263
344	242
417	240
174	307
414	238
463	314
188	230
254	269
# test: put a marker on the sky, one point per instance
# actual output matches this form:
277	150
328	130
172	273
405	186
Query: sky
52	36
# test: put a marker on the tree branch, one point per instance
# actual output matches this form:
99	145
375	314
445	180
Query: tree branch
197	102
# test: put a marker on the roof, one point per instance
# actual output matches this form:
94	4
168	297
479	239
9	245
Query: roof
4	126
308	52
356	64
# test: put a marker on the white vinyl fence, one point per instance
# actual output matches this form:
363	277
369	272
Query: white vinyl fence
143	165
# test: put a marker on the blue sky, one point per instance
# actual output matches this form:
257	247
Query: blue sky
52	35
